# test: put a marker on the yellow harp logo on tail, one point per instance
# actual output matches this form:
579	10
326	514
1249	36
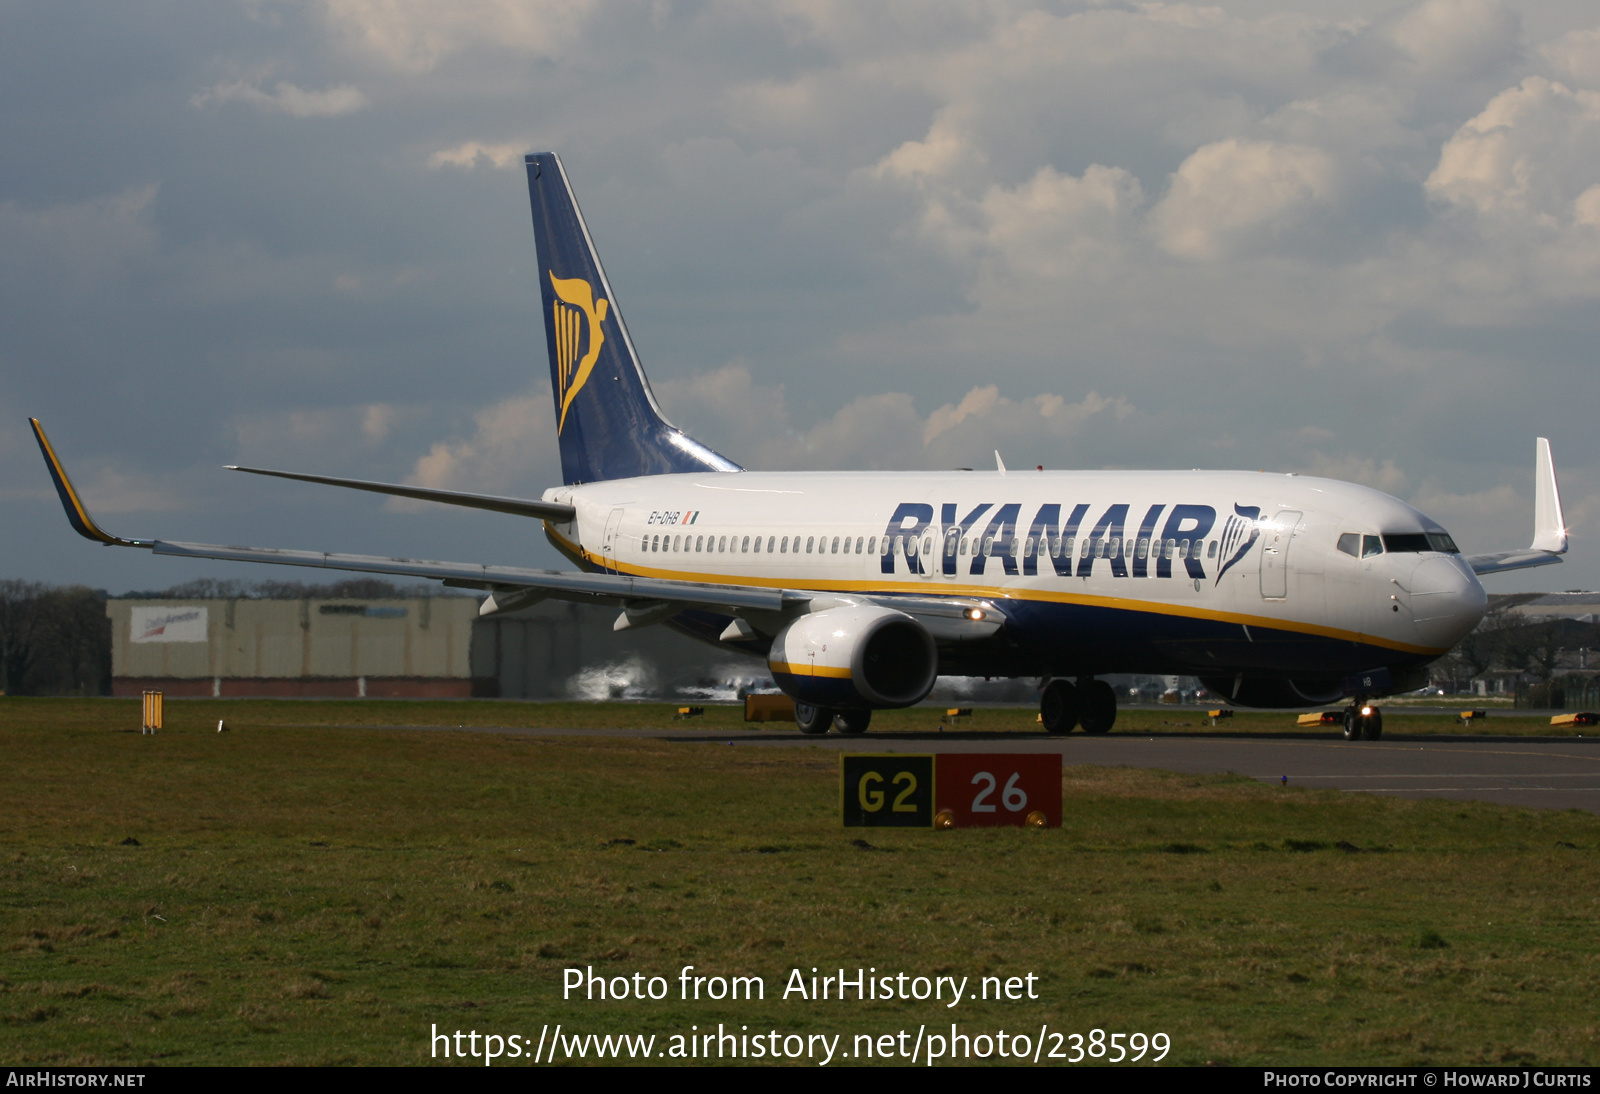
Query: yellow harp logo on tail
574	309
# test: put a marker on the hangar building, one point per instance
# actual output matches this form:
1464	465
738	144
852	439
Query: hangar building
404	647
414	648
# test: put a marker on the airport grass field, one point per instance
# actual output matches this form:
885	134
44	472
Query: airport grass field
308	888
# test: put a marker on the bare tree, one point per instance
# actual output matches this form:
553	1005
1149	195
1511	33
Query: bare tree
53	641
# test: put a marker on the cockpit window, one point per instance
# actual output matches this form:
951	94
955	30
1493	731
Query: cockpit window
1441	541
1371	545
1350	544
1406	543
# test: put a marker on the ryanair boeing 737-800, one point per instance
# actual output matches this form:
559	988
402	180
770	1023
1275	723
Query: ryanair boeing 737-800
861	589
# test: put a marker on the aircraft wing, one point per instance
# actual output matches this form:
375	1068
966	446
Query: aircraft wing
1501	561
513	586
559	584
1549	527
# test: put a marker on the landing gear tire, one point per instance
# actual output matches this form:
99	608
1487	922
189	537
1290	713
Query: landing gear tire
852	722
1354	724
1099	712
1374	724
1059	706
812	720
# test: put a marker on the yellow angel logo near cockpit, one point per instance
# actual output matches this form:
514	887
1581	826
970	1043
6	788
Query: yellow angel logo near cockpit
575	308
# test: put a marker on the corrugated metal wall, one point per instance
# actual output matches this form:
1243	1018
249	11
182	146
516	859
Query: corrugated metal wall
417	647
261	639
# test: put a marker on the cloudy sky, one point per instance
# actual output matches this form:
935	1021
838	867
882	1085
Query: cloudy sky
1352	239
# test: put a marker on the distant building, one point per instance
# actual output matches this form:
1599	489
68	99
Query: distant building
406	647
412	648
1580	607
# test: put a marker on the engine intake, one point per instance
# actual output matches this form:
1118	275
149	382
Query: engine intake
856	656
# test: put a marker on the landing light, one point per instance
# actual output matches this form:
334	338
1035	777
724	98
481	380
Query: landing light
1366	712
975	614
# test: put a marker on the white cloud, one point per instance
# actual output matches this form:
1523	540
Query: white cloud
322	439
506	453
73	248
1458	39
1532	151
476	154
285	98
1575	56
1232	193
751	424
417	35
1348	467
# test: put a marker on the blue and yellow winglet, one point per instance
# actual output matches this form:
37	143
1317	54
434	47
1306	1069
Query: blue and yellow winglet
77	514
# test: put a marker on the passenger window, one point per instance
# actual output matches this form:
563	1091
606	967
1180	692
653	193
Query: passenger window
988	545
722	544
1071	546
809	541
1183	548
655	543
1143	549
1350	544
1371	545
1211	549
770	541
746	547
835	544
859	542
872	545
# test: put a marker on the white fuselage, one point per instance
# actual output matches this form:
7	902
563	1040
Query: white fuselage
1097	571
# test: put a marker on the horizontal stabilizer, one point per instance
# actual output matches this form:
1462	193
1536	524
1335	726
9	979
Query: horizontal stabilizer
543	510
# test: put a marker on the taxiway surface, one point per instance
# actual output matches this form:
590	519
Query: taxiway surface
1535	772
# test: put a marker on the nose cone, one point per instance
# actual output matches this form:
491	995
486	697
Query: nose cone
1446	601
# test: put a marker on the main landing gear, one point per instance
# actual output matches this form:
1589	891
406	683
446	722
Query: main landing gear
817	720
1090	703
1362	722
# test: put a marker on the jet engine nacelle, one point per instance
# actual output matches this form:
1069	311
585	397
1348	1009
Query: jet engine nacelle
854	657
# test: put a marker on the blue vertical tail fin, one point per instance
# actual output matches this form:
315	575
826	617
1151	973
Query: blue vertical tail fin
607	420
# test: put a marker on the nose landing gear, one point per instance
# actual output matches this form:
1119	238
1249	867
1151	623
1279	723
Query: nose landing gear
1362	722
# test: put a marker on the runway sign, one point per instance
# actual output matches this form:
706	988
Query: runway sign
950	790
892	790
